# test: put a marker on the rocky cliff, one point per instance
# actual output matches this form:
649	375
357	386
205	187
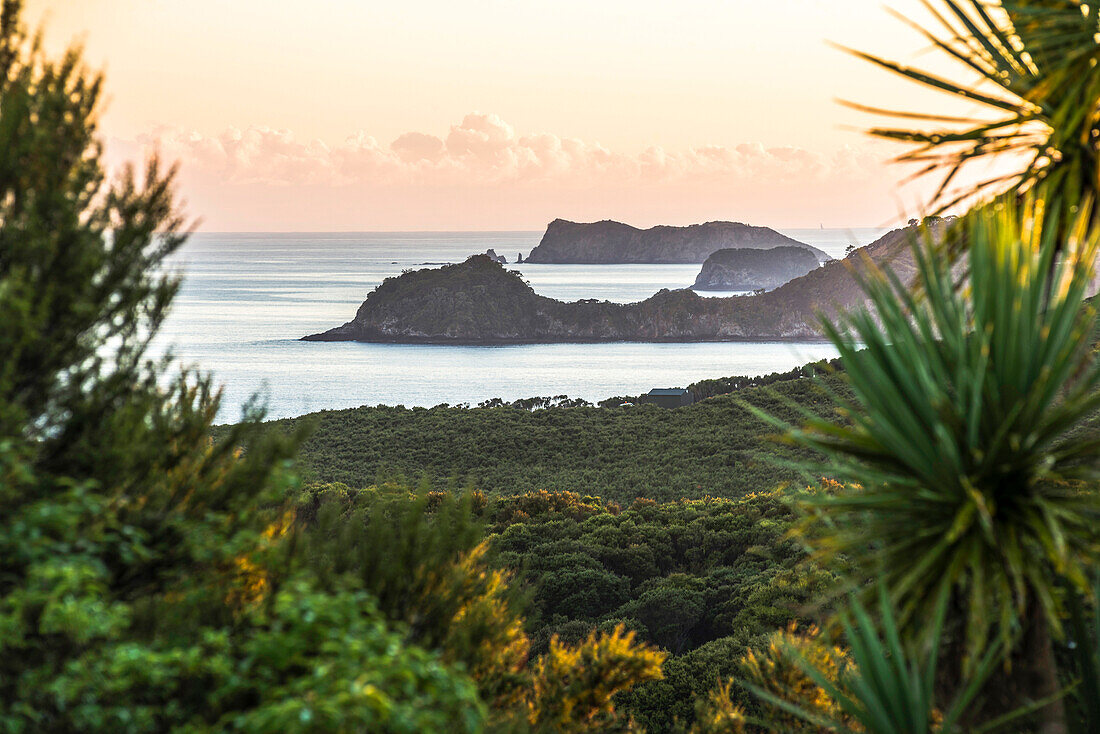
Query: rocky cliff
479	302
747	269
615	242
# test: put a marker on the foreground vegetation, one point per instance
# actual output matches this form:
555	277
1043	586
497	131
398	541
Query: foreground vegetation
922	560
703	580
154	580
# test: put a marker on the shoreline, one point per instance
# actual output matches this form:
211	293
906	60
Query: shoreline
435	341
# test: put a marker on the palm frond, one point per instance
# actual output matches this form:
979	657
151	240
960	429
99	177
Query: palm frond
890	686
961	459
1034	66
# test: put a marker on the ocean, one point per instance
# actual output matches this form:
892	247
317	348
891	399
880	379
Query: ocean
247	298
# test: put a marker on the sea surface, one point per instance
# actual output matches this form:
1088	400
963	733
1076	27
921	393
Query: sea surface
247	298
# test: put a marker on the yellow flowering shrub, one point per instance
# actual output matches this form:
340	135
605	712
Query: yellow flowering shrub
572	687
776	670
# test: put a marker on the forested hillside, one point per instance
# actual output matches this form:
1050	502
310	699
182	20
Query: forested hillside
715	447
703	580
672	523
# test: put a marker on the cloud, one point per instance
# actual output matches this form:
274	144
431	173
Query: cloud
483	173
484	150
416	147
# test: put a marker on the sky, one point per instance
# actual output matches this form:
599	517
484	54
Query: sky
340	115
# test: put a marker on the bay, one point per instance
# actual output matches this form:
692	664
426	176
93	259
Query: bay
247	298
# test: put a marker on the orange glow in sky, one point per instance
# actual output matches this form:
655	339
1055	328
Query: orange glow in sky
503	114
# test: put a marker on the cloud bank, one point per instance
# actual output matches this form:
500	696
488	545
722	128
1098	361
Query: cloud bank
483	173
483	149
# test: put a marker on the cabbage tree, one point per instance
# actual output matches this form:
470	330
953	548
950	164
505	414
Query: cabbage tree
1032	70
963	464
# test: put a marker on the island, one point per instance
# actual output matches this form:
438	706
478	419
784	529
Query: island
609	242
747	269
480	302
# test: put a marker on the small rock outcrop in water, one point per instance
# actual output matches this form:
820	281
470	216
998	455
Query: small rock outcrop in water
747	269
615	242
492	255
479	302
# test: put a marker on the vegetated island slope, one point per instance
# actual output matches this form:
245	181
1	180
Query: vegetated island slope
479	302
614	242
748	269
715	447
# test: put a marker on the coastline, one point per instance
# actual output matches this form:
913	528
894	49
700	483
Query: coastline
792	339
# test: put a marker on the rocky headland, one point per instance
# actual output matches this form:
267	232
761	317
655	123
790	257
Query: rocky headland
747	269
480	302
610	242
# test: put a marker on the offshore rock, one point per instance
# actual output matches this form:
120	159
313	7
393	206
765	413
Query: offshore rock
614	242
748	269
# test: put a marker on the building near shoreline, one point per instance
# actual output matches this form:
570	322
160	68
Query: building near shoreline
671	397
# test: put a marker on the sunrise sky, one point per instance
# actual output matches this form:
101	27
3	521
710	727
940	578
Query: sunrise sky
503	114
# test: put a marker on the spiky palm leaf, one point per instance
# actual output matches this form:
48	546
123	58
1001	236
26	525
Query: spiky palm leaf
890	686
1034	66
960	447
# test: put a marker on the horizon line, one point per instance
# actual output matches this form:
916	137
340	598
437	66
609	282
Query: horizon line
479	231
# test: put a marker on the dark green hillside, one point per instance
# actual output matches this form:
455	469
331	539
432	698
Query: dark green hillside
692	577
702	579
715	447
704	572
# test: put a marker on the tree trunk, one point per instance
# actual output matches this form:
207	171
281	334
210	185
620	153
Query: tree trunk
1030	674
1038	672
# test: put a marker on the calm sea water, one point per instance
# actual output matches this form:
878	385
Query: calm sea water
247	298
